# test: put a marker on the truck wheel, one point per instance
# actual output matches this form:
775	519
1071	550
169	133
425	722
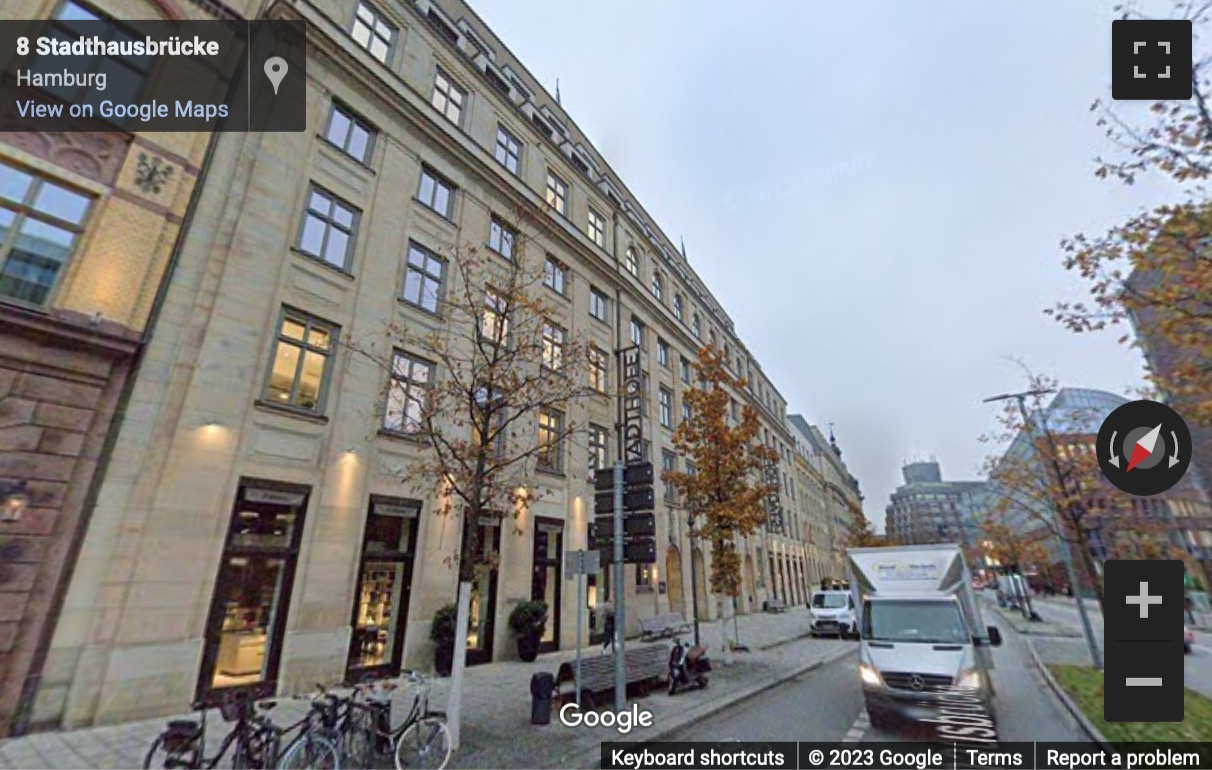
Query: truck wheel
879	718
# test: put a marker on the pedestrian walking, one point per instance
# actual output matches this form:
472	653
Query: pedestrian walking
608	631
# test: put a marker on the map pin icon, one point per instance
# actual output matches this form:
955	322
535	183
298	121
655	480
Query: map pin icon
275	70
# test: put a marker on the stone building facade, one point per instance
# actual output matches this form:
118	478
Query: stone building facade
252	529
87	227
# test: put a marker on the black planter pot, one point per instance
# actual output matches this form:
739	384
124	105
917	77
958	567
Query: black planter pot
528	647
443	660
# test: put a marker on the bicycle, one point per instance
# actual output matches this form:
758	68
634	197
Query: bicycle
317	747
182	743
422	740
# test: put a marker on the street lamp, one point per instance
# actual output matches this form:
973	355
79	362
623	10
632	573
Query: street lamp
13	499
1066	556
694	580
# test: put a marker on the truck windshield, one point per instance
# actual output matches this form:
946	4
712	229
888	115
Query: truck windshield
910	621
829	601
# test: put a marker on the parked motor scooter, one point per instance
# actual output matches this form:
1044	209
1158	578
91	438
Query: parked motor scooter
687	667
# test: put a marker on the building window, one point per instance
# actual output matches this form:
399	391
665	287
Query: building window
553	274
696	327
598	373
410	380
598	442
669	464
684	368
423	278
501	238
508	150
735	409
328	229
643	578
447	97
599	305
39	224
299	370
435	193
350	133
557	193
637	332
596	228
666	407
633	262
662	352
553	346
678	306
658	285
495	325
551	444
686	412
372	32
125	75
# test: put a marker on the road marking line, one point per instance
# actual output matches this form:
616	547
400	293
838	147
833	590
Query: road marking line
858	729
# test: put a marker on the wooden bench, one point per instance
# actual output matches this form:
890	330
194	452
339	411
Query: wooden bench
644	667
774	605
663	626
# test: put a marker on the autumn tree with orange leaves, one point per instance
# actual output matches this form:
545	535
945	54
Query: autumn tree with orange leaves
1156	267
726	491
484	389
862	534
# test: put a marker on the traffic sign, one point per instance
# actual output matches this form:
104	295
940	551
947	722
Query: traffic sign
641	499
640	550
637	474
639	524
580	563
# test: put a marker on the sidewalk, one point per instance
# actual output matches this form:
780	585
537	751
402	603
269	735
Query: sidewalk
496	728
1020	624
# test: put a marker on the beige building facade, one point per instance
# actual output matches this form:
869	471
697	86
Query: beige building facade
252	529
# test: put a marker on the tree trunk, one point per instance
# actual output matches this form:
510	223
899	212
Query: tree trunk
723	621
455	702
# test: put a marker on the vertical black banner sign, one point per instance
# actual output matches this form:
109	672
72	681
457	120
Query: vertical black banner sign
633	406
774	503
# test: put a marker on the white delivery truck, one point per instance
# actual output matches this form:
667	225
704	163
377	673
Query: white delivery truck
922	639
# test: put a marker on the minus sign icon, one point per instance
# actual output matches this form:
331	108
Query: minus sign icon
1143	681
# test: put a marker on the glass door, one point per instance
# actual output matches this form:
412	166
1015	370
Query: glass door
486	535
546	577
248	608
380	609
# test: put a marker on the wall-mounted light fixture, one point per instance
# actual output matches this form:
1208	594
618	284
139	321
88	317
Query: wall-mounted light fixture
13	500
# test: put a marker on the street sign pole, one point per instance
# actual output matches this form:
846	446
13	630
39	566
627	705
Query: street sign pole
580	615
620	623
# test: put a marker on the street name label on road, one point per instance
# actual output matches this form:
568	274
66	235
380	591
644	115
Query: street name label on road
904	756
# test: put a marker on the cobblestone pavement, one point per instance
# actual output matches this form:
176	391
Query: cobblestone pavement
496	730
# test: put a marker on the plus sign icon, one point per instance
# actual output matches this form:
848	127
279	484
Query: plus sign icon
1151	59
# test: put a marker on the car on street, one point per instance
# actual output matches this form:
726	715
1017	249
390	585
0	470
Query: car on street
832	612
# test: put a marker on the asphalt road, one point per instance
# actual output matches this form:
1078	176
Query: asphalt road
1198	663
827	705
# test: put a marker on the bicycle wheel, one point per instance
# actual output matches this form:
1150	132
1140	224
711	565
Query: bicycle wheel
159	757
425	744
358	742
311	752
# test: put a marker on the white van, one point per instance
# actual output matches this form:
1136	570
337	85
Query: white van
922	639
832	614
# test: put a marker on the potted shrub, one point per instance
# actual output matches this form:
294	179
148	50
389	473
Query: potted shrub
527	621
442	634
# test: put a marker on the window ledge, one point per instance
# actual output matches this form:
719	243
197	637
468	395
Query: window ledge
269	406
435	314
434	215
415	439
550	472
362	165
313	259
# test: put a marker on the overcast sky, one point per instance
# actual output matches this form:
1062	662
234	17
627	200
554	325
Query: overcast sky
874	192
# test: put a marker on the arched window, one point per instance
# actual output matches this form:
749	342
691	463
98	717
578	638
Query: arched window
658	285
678	307
633	262
696	326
